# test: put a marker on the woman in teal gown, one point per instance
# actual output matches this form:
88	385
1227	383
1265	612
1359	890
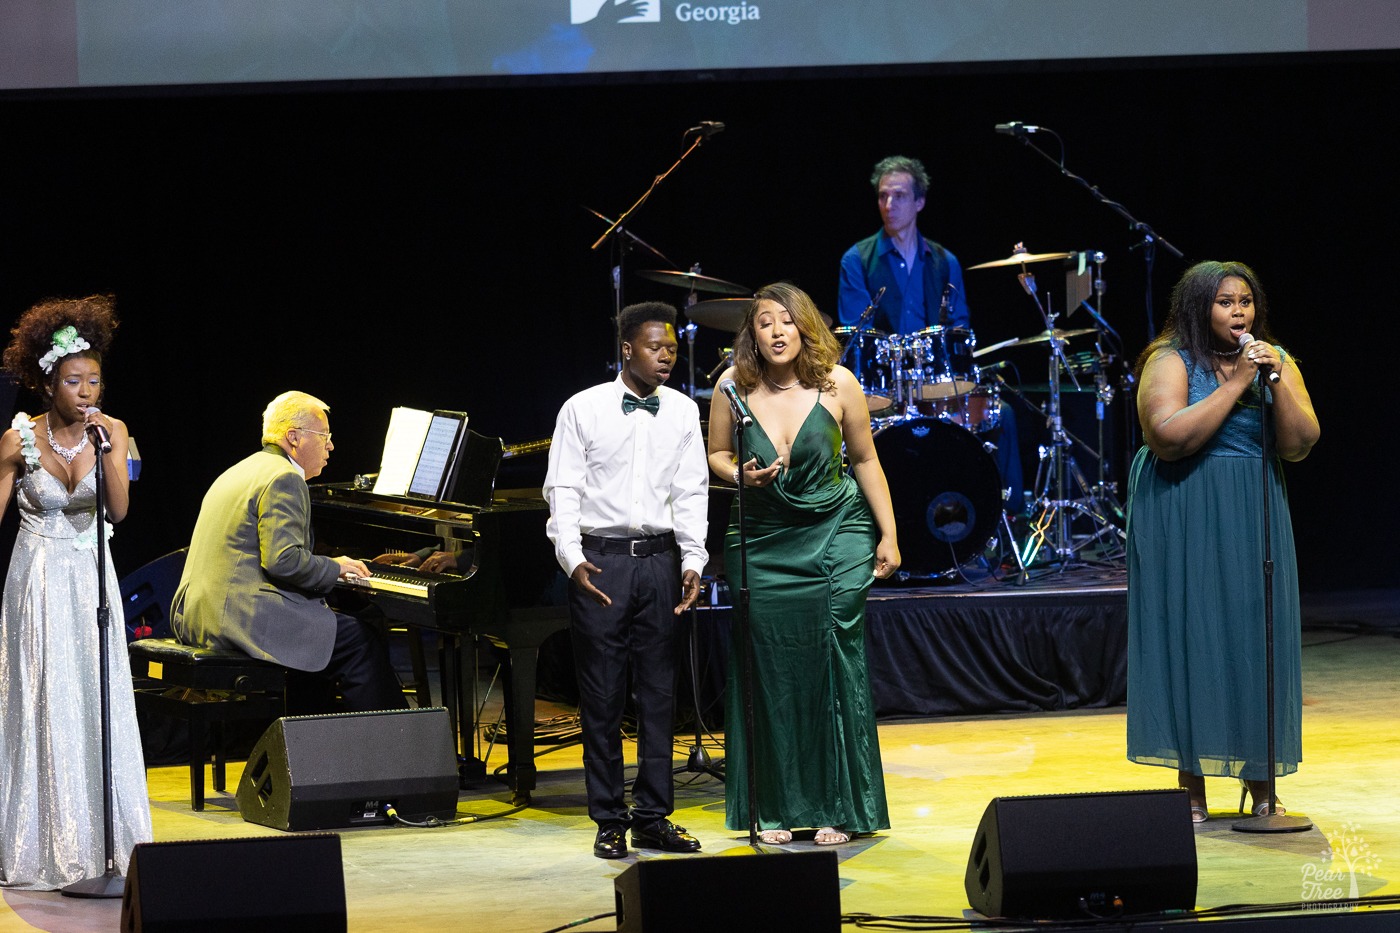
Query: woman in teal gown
816	539
1196	662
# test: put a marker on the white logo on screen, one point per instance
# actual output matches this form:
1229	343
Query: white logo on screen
620	11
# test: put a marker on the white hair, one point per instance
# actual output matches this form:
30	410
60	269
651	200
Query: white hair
289	410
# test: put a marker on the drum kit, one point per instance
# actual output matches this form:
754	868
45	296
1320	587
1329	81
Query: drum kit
936	415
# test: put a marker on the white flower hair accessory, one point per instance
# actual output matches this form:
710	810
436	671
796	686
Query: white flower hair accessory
65	341
25	429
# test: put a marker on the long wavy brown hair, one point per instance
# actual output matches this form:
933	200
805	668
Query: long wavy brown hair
94	317
819	351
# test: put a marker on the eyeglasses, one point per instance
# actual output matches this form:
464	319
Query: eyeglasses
325	434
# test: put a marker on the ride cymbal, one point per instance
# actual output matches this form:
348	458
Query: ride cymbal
695	281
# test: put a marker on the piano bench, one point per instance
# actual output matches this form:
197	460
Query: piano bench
206	687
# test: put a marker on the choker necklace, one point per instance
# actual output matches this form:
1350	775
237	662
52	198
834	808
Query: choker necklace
1228	353
67	453
791	385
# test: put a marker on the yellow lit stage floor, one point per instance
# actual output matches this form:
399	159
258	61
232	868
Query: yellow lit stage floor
533	871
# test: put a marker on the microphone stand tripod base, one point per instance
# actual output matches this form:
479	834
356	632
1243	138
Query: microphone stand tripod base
110	884
1273	823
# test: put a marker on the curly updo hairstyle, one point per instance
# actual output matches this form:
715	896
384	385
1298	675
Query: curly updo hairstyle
94	317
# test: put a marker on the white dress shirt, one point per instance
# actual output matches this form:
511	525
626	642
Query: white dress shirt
627	475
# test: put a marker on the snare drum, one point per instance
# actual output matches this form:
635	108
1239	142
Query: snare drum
867	361
938	363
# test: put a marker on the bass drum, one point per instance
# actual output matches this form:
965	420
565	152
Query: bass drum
946	493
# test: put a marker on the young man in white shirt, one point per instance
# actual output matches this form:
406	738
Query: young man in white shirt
628	490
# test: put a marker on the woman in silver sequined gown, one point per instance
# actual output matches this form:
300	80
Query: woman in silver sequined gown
51	800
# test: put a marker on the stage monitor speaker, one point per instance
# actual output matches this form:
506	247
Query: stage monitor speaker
703	893
325	772
1066	856
272	884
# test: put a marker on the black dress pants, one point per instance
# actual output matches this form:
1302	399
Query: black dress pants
359	670
638	633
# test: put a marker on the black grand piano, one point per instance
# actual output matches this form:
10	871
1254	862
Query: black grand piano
505	569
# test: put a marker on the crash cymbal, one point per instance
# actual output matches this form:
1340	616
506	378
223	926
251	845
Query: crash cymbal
1019	256
1037	338
694	280
725	313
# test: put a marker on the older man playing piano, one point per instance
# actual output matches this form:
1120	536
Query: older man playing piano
251	581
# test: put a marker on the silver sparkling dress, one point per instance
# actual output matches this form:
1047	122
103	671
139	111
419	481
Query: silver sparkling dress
51	817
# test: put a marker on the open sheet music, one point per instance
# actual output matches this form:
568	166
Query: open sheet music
421	453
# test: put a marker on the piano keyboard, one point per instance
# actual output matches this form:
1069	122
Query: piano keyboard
403	581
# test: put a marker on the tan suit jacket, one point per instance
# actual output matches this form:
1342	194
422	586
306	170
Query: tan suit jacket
251	581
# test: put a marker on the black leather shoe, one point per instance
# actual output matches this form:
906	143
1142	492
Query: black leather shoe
611	842
666	836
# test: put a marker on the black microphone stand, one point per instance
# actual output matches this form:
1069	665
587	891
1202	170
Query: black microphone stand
1271	822
617	225
1150	237
110	883
742	632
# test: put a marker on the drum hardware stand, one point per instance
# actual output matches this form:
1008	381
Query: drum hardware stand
1104	491
854	338
1051	526
689	331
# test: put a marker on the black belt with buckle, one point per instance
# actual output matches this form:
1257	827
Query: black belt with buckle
636	547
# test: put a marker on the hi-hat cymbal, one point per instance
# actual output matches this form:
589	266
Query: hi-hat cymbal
1036	338
725	313
694	280
1019	256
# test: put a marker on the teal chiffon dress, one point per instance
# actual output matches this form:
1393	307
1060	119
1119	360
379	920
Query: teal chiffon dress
811	545
1196	638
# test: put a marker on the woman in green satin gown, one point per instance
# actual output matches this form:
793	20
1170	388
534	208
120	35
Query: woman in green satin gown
1196	669
816	538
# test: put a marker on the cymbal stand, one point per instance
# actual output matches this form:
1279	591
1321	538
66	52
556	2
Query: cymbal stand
1051	527
1104	491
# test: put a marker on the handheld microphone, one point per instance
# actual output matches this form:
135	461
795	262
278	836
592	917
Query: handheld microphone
741	411
1268	372
1016	128
706	129
100	439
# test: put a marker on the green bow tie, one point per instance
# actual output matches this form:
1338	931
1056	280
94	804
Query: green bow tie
630	403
